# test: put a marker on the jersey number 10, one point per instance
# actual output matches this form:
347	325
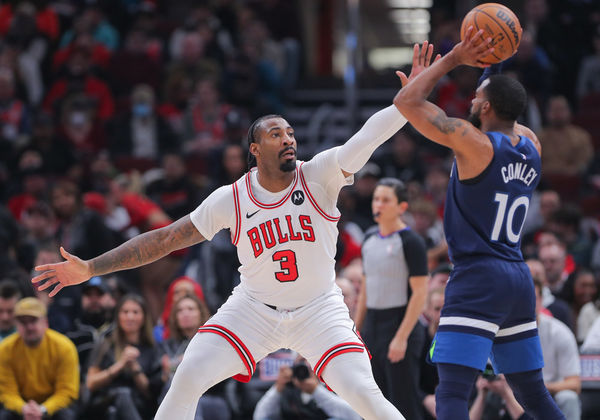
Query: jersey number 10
502	200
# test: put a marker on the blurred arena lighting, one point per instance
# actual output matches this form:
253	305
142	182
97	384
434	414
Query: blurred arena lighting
392	57
410	4
412	19
413	24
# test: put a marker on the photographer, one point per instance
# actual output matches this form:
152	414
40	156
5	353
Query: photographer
297	394
495	400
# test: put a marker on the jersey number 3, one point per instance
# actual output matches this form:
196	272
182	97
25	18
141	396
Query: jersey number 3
287	262
502	200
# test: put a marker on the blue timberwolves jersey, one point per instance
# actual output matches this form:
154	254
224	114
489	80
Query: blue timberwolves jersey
484	216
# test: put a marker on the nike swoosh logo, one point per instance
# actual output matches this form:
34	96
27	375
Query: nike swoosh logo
251	214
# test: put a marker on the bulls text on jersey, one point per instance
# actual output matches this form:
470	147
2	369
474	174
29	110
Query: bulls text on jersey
278	231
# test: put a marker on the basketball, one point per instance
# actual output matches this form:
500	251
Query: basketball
498	23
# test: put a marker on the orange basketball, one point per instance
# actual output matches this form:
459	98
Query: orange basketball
498	23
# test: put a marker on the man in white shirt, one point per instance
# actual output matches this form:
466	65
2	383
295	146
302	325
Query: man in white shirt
561	360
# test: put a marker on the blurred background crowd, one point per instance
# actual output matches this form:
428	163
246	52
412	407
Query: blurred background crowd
120	116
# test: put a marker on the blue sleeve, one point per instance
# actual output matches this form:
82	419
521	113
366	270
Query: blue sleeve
488	71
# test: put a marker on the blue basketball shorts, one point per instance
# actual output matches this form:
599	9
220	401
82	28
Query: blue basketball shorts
489	313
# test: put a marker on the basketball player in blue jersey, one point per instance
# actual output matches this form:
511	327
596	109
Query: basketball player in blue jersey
489	309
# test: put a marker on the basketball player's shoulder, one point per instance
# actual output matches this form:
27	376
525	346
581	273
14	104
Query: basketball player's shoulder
224	196
325	157
528	132
320	167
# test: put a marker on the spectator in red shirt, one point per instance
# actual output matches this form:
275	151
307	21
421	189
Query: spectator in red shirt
455	95
177	89
46	19
205	119
99	54
135	64
78	79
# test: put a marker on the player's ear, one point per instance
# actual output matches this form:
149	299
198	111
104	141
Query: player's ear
254	149
486	107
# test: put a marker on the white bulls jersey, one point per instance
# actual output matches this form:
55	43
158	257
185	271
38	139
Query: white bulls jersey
286	241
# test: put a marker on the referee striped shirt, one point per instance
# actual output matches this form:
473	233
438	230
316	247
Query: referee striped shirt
388	262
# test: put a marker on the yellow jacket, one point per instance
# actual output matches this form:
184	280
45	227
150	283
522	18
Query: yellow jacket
47	374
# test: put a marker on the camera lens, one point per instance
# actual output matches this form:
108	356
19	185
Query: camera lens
300	372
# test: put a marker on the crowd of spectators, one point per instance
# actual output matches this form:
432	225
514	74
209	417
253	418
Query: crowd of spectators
119	116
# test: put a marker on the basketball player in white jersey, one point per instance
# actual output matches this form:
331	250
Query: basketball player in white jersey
282	217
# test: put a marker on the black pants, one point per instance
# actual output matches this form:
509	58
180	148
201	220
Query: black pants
399	382
67	413
117	403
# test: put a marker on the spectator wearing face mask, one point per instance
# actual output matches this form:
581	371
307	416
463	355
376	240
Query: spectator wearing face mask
141	134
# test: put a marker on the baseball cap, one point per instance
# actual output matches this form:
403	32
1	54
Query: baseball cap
96	282
30	306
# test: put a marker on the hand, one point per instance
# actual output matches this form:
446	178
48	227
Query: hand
482	384
421	60
472	49
67	273
165	363
499	386
285	376
129	356
32	411
550	386
397	349
429	404
307	385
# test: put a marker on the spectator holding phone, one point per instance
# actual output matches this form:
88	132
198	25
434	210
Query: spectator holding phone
297	394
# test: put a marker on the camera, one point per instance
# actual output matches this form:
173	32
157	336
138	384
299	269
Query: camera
488	373
300	371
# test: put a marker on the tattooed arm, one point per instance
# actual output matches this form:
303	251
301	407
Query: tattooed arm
138	251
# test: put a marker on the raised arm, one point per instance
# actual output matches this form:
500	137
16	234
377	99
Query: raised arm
382	125
137	251
430	120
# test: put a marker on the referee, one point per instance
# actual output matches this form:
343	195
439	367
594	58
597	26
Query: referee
392	297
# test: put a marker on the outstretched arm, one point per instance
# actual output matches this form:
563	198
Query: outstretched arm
137	251
382	125
431	121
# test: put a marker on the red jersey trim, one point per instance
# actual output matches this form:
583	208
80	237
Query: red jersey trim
313	201
235	237
237	345
274	205
336	351
362	341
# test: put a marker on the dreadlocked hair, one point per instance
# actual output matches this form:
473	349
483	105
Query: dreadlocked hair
251	136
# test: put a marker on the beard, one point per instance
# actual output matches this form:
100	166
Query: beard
288	165
474	119
94	318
